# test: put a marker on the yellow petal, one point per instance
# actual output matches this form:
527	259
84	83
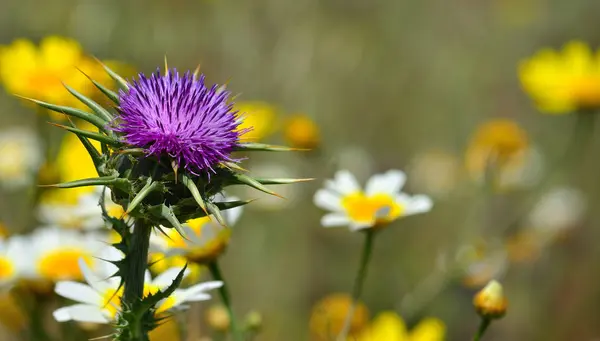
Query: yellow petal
387	326
430	329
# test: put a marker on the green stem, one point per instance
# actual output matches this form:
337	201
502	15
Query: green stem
358	281
215	271
134	276
485	323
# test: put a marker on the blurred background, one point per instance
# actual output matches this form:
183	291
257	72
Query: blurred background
428	87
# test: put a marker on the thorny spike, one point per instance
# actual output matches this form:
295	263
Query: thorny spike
148	188
169	215
197	72
194	191
92	151
93	119
99	181
214	210
118	79
245	179
89	134
252	146
281	181
97	108
107	92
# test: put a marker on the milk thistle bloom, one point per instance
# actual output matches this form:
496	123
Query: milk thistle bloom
561	82
180	117
165	153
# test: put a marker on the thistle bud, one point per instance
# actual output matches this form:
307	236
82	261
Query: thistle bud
490	302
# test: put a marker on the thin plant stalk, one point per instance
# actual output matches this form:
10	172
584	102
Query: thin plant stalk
359	281
483	326
215	271
134	278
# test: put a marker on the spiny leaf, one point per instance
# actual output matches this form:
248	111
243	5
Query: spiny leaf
121	82
194	191
92	151
281	181
216	212
106	91
100	181
168	214
93	119
245	179
90	134
97	108
252	146
148	188
152	300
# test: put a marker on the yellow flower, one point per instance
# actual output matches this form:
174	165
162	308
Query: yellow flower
260	117
301	132
328	316
500	150
38	72
388	326
565	81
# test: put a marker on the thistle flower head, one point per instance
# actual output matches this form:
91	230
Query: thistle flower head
179	116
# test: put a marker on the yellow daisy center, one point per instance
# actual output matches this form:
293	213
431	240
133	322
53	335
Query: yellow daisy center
115	211
111	301
378	208
7	268
63	264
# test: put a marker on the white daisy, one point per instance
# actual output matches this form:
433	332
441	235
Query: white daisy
380	202
100	299
204	237
20	157
55	253
84	214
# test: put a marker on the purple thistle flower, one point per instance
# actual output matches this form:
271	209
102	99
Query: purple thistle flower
180	117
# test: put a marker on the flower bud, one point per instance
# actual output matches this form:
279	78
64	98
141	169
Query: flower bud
254	321
218	318
490	302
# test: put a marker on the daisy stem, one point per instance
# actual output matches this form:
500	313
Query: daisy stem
133	278
485	323
358	282
215	271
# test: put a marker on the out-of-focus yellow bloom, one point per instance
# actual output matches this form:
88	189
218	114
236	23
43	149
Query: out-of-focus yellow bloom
39	71
499	150
258	116
565	81
168	330
490	302
12	315
524	247
388	326
300	131
328	316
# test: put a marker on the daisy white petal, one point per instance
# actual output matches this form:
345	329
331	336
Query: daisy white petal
418	204
327	200
77	292
346	182
81	313
334	220
167	277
